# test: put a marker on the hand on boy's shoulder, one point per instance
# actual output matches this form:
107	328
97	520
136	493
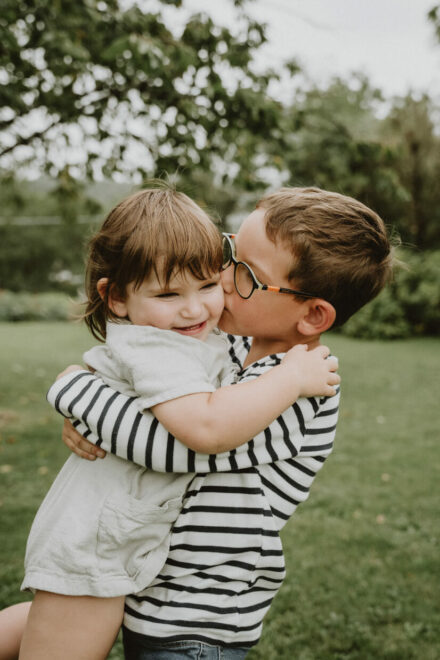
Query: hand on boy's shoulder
314	370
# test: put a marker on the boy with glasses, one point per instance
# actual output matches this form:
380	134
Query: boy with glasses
245	281
321	256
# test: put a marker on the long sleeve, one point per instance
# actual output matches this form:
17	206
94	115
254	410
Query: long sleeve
112	420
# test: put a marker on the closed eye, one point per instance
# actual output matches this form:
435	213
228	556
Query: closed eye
170	294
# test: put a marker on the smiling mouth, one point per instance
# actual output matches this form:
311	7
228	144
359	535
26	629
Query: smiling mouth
191	329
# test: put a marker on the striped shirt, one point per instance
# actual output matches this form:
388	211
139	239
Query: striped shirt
226	562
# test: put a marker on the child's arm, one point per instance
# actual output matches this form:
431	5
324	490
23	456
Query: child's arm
112	422
13	621
219	421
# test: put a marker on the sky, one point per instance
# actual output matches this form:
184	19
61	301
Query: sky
389	40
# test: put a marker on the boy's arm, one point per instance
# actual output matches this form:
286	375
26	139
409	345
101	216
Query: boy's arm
222	420
287	483
111	420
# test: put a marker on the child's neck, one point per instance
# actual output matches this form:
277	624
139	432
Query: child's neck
261	347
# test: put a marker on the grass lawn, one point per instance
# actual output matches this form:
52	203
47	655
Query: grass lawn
362	553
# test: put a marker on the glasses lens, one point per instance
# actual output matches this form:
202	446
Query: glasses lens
244	282
227	252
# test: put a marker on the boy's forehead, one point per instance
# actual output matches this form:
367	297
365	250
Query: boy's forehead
255	218
271	259
252	229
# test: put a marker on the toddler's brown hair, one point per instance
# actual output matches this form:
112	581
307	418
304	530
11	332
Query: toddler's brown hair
156	230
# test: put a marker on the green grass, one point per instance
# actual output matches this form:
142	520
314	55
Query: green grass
362	553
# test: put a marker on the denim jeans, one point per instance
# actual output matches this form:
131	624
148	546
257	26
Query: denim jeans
137	648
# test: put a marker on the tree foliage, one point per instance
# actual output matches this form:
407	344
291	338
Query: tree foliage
41	239
434	17
105	86
333	137
332	141
115	89
409	129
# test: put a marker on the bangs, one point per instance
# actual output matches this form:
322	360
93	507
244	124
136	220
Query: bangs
185	240
196	248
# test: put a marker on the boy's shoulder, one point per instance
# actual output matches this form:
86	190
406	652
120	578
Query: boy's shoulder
238	348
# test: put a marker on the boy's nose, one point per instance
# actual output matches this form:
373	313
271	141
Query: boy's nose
227	279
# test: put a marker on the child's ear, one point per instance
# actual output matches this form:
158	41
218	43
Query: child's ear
115	303
319	317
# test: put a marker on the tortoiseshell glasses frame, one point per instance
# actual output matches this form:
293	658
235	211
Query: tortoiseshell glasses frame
245	280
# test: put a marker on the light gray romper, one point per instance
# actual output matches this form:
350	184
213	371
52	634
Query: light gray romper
103	529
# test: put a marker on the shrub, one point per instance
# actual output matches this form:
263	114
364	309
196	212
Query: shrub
409	306
383	318
31	257
23	306
419	292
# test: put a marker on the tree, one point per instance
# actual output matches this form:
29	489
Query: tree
434	17
409	129
332	140
102	87
42	240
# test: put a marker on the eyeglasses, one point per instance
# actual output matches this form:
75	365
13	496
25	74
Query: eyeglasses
244	277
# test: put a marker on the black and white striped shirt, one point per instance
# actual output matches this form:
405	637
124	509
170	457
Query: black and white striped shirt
226	562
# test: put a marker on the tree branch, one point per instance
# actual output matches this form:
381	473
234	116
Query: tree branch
22	141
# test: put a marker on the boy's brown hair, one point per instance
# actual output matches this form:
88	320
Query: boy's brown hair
157	230
341	249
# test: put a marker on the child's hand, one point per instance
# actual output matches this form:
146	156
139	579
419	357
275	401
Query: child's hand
313	371
79	445
71	368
